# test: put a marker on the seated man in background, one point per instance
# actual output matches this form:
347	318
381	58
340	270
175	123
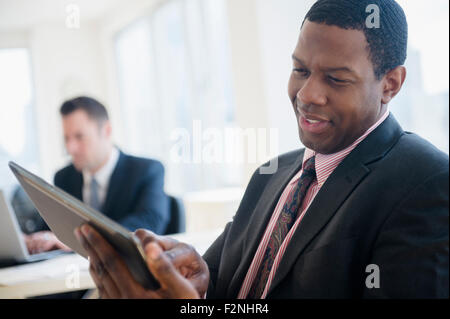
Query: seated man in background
127	189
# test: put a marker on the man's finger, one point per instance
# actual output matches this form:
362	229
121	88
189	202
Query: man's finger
111	261
170	279
145	236
160	265
191	265
182	254
101	278
104	283
102	294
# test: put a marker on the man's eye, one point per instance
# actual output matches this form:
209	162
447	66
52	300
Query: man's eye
301	71
336	80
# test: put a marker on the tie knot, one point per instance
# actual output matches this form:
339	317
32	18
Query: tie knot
309	167
94	181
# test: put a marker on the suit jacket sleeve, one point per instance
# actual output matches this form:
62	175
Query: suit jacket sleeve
213	258
412	248
151	205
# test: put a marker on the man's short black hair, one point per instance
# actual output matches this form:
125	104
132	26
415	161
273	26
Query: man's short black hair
94	109
387	44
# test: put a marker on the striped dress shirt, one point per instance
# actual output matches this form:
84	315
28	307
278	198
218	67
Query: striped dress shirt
325	165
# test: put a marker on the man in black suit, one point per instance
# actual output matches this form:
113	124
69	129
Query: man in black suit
361	212
127	189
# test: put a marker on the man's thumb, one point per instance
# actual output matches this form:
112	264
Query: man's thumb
160	265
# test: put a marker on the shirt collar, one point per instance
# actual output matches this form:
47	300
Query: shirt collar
103	174
326	163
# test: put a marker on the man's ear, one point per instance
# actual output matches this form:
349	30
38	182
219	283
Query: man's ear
392	83
107	129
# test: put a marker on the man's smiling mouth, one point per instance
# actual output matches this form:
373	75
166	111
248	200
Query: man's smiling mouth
312	123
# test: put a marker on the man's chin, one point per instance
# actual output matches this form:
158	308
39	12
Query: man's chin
320	148
78	166
316	146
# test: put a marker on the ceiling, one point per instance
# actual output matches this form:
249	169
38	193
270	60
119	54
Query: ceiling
23	14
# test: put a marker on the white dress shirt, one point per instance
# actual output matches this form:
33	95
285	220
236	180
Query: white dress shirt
102	177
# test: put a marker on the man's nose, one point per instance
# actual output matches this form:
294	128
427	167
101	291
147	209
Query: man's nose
312	93
72	147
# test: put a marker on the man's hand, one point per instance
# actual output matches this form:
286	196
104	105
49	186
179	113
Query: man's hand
183	257
181	272
43	241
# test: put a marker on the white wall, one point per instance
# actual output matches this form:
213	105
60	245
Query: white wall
249	94
14	39
66	62
109	25
279	25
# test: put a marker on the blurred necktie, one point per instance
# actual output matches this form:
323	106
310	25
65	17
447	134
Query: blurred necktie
94	200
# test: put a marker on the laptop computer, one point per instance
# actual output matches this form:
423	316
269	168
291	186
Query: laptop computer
13	250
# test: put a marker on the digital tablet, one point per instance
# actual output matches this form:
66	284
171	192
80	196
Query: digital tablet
63	213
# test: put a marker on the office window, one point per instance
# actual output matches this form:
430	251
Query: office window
18	140
174	76
422	105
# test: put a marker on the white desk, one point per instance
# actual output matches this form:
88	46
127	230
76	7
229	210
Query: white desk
70	272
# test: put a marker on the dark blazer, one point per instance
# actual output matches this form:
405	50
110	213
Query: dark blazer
135	196
385	204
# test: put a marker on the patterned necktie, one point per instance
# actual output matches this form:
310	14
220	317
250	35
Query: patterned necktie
284	223
94	200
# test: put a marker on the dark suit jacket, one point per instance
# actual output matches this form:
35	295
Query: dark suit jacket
135	196
385	204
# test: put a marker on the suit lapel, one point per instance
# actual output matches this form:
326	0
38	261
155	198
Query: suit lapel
332	194
114	185
260	218
77	185
336	189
